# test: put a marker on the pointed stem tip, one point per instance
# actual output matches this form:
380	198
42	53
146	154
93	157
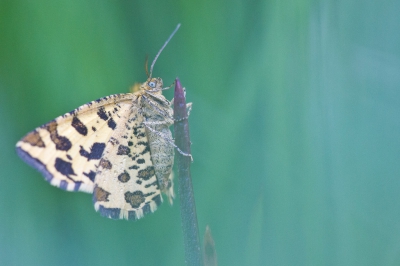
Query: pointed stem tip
179	101
178	86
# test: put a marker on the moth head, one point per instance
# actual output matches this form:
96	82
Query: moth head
153	85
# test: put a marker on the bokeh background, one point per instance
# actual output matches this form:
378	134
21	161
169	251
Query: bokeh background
295	127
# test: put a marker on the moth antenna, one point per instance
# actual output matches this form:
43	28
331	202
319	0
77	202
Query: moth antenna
162	48
146	66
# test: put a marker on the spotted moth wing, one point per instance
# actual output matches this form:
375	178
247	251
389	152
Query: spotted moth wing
67	149
126	186
90	149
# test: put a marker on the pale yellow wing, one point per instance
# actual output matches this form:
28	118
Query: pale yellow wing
126	185
101	148
68	149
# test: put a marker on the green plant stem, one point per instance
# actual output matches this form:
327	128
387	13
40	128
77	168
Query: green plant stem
188	208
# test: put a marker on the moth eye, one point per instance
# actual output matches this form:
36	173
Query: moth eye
152	84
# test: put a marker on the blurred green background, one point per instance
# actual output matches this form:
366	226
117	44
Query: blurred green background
295	127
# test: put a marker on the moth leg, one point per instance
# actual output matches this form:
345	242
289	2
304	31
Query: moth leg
188	110
169	87
156	123
170	141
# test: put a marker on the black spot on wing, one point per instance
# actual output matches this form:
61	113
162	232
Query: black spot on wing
140	161
62	143
146	173
124	177
94	129
102	113
96	151
111	124
136	130
100	194
63	167
152	184
146	147
106	164
123	150
34	139
135	199
79	126
113	141
135	167
84	153
91	175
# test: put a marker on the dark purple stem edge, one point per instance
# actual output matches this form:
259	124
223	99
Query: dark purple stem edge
190	227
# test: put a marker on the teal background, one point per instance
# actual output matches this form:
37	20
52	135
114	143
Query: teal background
295	127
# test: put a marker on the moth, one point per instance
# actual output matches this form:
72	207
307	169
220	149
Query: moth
119	148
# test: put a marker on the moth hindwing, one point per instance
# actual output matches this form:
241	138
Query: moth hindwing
117	147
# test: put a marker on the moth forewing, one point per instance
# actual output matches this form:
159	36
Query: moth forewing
67	154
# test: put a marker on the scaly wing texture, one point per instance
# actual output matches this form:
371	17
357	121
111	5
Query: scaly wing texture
100	148
126	185
68	149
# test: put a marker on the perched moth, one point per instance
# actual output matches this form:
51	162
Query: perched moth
119	148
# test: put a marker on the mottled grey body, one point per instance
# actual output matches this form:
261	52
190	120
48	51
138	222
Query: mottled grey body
162	154
157	118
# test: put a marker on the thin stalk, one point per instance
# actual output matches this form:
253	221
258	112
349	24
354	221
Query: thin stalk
190	228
